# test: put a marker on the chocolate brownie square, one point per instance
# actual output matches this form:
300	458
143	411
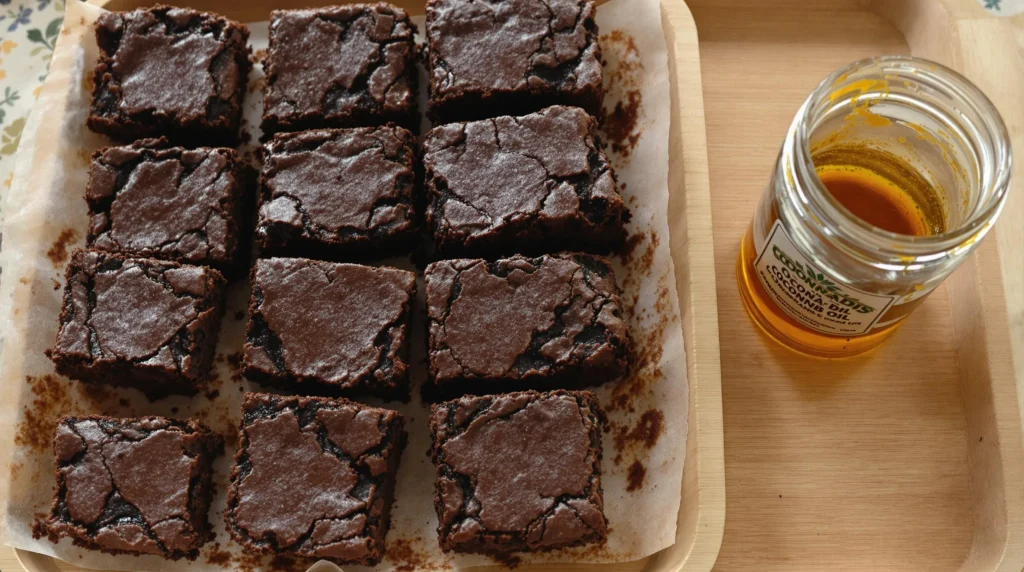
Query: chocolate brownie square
314	478
518	472
340	66
169	71
155	201
338	193
559	318
133	486
512	56
522	185
328	327
138	322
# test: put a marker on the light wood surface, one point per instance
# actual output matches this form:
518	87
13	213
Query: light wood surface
904	459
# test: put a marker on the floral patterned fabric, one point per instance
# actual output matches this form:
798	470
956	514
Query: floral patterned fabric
28	32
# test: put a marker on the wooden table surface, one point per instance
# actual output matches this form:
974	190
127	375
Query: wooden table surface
1009	233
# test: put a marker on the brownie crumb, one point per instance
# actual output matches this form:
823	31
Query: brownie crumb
52	399
624	73
58	253
635	476
620	124
408	555
640	437
218	557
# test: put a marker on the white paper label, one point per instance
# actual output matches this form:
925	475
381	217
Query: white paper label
812	297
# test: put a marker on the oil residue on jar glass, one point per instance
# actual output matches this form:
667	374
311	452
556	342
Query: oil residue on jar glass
881	190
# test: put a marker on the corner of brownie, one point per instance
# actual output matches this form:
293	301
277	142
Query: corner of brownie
518	472
150	199
169	71
138	322
565	187
330	328
314	478
514	55
133	486
340	66
339	194
560	319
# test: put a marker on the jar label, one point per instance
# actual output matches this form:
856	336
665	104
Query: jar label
811	297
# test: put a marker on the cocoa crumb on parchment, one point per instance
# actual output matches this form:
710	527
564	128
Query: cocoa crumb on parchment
623	81
59	251
216	556
409	554
52	400
639	436
647	348
635	476
258	84
235	362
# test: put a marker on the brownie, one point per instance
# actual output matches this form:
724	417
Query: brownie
329	328
186	205
133	486
138	322
169	71
314	478
340	66
338	193
515	56
525	185
524	323
518	472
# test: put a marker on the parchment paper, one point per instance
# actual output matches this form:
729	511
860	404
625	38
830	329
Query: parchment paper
46	218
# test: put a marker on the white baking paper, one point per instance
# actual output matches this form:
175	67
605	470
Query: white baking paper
46	218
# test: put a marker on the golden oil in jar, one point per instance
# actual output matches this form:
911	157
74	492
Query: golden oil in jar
875	199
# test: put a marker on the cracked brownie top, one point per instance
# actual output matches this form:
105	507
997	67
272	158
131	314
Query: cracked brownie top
559	316
519	471
139	486
328	326
520	184
340	66
167	202
511	55
139	312
169	71
338	192
314	477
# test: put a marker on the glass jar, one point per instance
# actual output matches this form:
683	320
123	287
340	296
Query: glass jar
830	283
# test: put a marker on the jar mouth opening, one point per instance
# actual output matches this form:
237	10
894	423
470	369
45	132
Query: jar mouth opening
983	127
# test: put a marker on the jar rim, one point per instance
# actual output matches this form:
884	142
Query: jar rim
994	169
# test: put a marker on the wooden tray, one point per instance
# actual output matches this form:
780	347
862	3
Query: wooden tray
702	510
909	458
